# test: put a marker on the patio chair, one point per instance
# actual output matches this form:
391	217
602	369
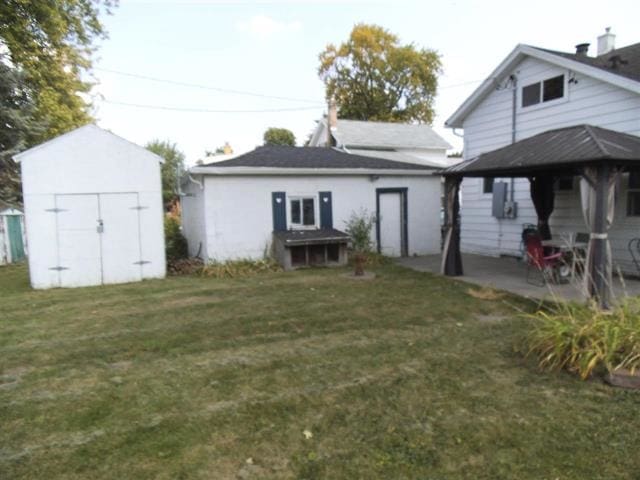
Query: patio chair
546	265
579	255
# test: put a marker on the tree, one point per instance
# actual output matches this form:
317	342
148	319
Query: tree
279	136
16	129
373	77
172	168
51	42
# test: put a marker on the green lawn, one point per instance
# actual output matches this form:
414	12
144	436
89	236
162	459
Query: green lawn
405	376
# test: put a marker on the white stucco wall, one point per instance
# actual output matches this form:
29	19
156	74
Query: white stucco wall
89	160
238	210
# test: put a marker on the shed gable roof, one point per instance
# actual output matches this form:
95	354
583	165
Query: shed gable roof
89	133
624	76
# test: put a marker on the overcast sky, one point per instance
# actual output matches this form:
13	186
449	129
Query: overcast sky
270	49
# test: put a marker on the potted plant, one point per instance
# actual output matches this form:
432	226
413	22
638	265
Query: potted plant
359	228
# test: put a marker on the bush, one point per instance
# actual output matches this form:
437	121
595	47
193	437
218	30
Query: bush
584	339
239	268
359	228
175	243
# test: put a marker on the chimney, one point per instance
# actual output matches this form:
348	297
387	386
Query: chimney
606	42
332	120
582	49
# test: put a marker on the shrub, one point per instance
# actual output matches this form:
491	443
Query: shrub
239	268
175	243
359	228
584	339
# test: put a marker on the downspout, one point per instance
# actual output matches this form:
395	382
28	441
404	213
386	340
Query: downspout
514	99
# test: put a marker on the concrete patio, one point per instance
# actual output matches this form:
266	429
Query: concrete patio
509	274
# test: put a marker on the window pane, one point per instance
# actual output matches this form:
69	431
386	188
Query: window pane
634	179
487	185
633	205
308	212
531	95
295	211
565	183
553	88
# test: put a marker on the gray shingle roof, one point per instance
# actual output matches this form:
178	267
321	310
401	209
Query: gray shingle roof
272	156
567	148
629	54
356	133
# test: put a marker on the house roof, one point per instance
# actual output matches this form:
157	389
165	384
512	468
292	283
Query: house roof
357	133
629	54
275	157
560	149
625	76
395	155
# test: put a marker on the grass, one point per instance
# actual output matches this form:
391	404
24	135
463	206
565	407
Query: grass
407	376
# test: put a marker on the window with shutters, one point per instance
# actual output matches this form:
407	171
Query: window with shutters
302	212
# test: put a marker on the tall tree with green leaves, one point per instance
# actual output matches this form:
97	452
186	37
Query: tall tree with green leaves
172	169
52	42
17	128
372	76
279	136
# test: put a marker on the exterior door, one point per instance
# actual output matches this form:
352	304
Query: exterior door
120	237
79	258
16	246
390	220
98	239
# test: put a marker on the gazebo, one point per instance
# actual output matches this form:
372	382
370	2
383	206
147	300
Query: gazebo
597	155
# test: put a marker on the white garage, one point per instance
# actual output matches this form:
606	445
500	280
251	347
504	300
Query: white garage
93	210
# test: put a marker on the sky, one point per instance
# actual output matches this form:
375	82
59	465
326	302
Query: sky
234	69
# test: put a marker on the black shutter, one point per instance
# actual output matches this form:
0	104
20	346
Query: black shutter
279	206
326	210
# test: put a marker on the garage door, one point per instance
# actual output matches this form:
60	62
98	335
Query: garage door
98	239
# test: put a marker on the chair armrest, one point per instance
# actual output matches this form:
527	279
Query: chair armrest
554	256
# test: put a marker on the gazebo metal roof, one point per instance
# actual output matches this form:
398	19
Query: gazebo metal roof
554	151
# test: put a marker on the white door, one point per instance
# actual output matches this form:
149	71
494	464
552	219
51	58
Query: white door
120	237
390	218
79	259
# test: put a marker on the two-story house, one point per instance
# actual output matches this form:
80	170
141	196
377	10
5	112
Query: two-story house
535	90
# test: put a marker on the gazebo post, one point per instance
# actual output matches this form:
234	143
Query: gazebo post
451	257
601	263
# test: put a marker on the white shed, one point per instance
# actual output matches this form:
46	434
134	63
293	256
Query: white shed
93	210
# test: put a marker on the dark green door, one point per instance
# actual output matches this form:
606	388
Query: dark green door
16	247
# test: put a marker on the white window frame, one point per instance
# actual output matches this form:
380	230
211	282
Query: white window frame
541	104
316	212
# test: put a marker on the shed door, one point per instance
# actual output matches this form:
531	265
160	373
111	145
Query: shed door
79	259
390	218
120	238
14	227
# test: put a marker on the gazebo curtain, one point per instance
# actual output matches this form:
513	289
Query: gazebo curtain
451	258
543	197
598	278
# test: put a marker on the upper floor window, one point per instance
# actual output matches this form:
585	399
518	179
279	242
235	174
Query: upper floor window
543	91
633	194
303	212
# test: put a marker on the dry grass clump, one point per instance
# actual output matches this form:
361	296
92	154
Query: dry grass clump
239	268
485	293
584	339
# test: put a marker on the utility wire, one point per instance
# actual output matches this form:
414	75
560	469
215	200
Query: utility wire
207	110
206	87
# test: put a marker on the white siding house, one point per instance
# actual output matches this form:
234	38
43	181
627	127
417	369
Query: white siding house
93	210
563	90
228	209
